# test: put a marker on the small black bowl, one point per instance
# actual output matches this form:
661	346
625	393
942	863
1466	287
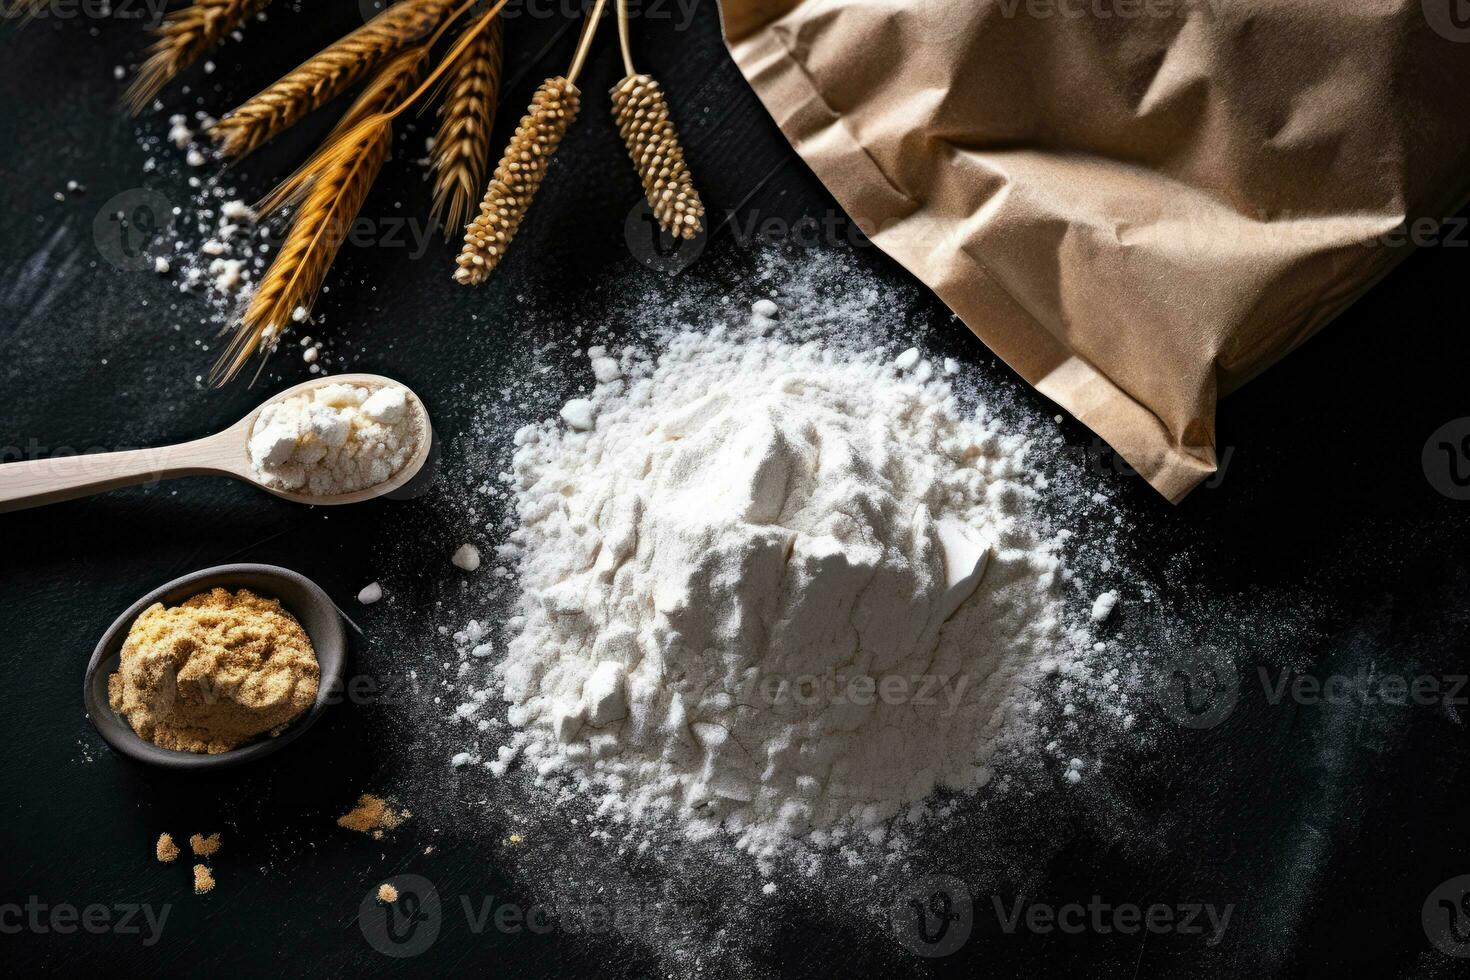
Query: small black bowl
300	596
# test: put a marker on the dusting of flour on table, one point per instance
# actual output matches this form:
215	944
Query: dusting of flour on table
771	590
335	438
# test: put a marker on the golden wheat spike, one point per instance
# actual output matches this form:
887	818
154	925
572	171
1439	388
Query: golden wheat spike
333	193
384	91
181	39
519	174
642	115
327	74
462	147
294	278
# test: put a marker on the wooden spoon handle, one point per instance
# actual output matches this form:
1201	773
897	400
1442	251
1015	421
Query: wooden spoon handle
35	482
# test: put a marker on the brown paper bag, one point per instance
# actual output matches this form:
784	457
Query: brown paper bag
1137	204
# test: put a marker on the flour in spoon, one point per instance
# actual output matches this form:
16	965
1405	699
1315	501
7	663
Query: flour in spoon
335	438
771	591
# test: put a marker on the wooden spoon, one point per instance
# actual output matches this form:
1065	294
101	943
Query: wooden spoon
46	481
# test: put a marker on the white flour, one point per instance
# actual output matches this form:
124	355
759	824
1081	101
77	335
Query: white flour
334	438
771	591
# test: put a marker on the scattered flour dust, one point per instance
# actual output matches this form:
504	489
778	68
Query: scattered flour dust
206	239
773	591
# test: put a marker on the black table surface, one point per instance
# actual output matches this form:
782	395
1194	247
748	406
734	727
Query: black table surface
1326	824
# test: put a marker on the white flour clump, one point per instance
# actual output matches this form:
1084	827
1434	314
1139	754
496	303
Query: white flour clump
774	591
335	438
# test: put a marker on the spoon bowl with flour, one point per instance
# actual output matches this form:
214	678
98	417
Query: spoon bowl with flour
338	440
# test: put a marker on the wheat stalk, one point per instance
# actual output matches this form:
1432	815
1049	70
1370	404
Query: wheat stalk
181	39
331	196
326	75
384	91
522	167
462	147
516	179
642	115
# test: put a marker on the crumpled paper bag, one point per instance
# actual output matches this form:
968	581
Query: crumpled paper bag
1137	204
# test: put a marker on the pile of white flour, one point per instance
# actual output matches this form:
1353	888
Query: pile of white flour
772	591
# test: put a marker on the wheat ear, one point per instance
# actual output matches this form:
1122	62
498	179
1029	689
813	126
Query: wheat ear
326	75
181	39
521	170
384	91
330	201
642	115
523	165
461	152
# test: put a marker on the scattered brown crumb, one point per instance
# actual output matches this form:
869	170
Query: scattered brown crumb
387	893
203	880
204	846
372	815
166	849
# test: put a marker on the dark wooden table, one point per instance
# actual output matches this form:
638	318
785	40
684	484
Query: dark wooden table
1327	825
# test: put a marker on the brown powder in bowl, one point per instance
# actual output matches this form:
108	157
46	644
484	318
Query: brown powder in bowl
214	672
